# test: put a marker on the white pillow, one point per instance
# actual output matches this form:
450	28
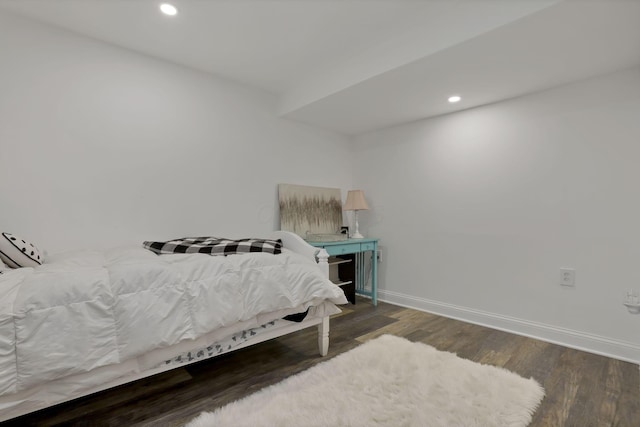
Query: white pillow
3	267
17	252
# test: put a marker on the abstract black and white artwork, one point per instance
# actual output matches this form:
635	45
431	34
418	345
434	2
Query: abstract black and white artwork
308	210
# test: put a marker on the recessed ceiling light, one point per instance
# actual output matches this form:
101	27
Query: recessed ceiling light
168	9
454	98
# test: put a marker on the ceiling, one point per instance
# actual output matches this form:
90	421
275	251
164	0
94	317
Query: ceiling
358	66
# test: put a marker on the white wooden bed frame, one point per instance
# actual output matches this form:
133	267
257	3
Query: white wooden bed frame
290	241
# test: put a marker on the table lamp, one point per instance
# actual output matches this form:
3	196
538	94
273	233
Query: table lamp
356	202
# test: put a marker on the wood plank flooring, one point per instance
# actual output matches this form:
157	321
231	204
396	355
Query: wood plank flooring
582	389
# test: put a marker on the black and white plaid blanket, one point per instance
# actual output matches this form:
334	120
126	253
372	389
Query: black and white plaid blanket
214	246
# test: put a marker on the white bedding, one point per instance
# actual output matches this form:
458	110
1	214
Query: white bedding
81	311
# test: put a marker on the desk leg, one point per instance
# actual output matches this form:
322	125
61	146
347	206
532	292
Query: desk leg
358	270
361	283
374	276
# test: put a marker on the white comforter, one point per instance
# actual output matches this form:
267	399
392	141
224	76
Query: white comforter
83	310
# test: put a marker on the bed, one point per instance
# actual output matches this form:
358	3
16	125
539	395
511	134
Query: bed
88	321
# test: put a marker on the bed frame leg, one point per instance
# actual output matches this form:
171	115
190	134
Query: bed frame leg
323	262
323	336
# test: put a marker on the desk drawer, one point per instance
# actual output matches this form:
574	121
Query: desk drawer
367	246
343	249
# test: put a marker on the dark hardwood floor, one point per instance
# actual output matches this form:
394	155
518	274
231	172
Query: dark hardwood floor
582	389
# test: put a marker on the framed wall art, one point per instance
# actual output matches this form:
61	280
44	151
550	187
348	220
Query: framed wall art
308	210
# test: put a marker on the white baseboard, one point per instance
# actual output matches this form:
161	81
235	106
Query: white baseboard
622	350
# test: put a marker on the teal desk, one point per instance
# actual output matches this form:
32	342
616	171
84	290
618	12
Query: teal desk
359	248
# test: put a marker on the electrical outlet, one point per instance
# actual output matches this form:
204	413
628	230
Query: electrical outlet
567	276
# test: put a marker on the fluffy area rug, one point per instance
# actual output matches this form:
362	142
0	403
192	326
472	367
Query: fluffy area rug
388	381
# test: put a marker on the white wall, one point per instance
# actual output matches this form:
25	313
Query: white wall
100	146
478	211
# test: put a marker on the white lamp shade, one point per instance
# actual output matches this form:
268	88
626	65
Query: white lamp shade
355	201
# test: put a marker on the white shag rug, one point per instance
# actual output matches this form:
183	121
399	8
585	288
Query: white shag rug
388	381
